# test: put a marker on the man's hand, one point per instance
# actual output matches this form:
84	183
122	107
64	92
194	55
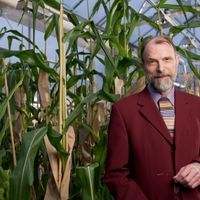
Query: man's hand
189	175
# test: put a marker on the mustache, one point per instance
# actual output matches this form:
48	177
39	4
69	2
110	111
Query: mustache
158	75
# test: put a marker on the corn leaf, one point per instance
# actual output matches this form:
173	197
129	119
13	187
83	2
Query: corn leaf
22	177
55	138
110	16
194	69
50	27
18	34
3	130
188	54
95	8
99	152
35	6
177	29
132	26
4	184
91	98
29	56
182	8
73	19
86	177
52	3
3	105
103	46
177	7
149	21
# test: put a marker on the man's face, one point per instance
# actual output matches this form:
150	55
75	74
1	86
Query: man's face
160	65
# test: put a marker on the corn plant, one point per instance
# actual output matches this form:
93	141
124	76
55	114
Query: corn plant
53	120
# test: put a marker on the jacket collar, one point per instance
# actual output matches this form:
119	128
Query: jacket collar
150	112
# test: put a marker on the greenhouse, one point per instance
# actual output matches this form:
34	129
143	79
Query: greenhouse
68	72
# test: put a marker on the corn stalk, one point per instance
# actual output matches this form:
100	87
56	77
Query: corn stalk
61	89
10	122
68	137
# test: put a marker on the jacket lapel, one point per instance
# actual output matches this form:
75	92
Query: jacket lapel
151	113
181	112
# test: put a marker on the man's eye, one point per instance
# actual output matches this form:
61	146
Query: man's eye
151	61
167	59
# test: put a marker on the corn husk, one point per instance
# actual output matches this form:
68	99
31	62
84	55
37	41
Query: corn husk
138	86
119	83
43	87
99	113
64	189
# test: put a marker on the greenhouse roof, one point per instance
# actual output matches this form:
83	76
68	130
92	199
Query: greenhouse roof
170	17
173	16
170	14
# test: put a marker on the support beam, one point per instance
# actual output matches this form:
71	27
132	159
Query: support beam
12	10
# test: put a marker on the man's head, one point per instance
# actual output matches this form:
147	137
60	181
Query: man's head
160	62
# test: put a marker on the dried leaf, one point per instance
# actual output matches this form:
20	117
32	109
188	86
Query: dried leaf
51	190
118	86
53	159
85	145
33	194
20	101
137	86
18	126
64	190
86	154
99	113
43	87
20	97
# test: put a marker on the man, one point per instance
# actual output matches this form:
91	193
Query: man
154	150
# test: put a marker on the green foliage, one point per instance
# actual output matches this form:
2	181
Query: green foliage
183	7
3	105
4	184
30	57
177	29
22	176
86	177
16	35
111	48
4	179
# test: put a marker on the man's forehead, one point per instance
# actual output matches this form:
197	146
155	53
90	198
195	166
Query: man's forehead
156	41
153	46
151	52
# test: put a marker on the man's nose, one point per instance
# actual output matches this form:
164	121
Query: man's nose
160	66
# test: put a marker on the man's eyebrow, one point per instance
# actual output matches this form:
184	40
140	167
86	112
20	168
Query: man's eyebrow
149	58
168	57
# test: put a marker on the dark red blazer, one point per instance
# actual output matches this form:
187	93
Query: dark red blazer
142	158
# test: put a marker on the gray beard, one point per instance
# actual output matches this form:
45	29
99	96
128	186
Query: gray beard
162	86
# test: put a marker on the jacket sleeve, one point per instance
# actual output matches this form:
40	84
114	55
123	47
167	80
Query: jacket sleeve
117	173
197	159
